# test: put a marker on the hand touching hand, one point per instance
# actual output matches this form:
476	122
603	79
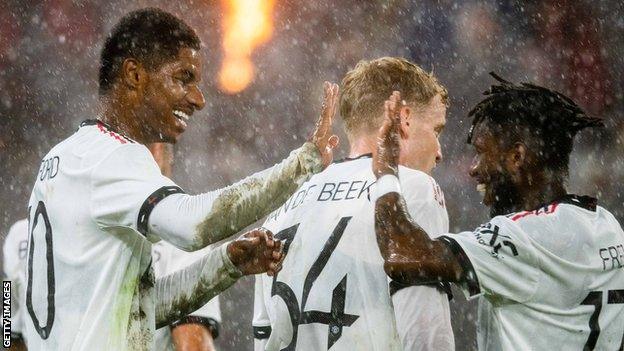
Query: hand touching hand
322	137
386	159
256	252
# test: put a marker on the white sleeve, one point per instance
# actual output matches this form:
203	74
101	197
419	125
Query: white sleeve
167	259
125	186
186	290
261	321
498	259
193	222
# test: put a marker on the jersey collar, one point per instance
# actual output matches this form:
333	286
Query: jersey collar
97	122
587	202
346	159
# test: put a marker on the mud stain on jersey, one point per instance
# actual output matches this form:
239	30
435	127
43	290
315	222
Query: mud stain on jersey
256	196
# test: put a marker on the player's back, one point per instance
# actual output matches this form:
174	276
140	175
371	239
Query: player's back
332	291
574	295
85	255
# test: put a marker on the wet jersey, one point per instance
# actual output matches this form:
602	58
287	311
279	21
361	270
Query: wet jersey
551	278
14	250
89	281
332	292
166	259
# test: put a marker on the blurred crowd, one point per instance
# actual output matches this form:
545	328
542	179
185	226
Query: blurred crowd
49	56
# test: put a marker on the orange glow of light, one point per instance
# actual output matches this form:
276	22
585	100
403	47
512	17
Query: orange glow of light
247	24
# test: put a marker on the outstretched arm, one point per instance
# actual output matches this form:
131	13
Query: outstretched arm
185	291
193	222
409	254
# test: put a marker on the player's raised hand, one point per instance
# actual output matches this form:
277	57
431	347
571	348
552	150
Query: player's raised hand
256	252
323	137
386	159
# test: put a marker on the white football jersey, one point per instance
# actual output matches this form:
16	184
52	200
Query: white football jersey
332	292
89	280
551	279
14	250
166	259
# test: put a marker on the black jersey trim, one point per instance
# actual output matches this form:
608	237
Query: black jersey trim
210	323
262	333
587	202
443	287
469	276
149	204
346	159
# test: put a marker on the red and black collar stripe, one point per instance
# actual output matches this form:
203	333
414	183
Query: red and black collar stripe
107	130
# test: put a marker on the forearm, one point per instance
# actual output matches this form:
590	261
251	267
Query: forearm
193	222
410	255
185	291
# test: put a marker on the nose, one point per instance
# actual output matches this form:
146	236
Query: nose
439	156
196	98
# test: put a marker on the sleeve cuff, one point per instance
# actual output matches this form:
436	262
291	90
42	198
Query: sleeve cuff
388	183
310	158
230	268
262	333
469	278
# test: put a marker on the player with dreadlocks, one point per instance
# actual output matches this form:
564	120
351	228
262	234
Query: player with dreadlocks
548	265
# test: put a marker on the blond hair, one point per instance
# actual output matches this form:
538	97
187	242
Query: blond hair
366	87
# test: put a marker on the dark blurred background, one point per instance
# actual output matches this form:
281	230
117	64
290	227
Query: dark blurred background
49	52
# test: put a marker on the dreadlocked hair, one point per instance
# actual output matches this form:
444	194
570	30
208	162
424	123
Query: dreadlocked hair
544	118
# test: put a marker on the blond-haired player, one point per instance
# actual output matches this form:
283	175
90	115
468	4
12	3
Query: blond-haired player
332	291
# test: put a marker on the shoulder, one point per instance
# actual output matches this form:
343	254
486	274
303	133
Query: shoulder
419	186
94	142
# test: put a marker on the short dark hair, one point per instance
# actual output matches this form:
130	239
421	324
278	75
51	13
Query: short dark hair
524	111
151	36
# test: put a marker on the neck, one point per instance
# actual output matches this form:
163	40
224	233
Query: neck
543	195
538	189
115	112
545	187
361	145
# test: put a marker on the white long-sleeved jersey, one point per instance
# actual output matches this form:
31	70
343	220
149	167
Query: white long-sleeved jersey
332	292
97	199
552	278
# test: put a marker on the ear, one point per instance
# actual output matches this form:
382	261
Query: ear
407	119
132	74
516	157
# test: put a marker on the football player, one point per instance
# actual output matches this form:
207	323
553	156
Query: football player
548	265
99	199
14	265
332	292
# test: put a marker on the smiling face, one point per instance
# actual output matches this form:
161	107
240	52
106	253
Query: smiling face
420	144
495	172
170	95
